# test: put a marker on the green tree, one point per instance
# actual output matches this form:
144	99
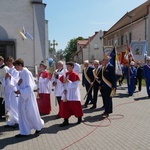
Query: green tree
51	50
71	48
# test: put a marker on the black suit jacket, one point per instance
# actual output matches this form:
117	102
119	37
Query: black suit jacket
89	74
109	74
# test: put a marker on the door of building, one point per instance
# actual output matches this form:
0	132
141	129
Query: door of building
7	48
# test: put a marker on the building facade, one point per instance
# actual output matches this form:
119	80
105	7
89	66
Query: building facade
90	49
132	27
20	18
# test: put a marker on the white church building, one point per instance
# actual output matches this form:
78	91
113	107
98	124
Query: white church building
24	31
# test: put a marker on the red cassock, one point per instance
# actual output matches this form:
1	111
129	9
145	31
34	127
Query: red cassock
44	102
73	105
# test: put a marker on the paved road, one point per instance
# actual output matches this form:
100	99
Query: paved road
128	128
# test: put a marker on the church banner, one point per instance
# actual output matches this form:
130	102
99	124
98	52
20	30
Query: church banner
107	50
139	50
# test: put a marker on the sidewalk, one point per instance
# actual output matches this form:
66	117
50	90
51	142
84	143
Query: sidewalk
127	128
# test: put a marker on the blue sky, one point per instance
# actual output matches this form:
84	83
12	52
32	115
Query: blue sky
70	19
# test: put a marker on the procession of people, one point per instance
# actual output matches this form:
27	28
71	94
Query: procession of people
22	107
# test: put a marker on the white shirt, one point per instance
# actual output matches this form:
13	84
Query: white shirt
77	68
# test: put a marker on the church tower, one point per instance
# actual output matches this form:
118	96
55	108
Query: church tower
24	31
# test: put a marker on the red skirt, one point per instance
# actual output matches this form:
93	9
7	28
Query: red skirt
44	103
70	108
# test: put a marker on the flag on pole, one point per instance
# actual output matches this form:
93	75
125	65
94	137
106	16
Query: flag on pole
22	35
29	36
122	58
116	63
129	55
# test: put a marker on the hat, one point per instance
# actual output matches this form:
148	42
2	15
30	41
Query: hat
105	57
148	58
42	63
132	63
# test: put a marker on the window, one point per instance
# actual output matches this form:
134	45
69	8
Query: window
112	42
122	38
96	46
109	42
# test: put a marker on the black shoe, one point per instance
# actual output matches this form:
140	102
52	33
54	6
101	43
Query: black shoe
65	123
104	114
20	136
13	126
7	126
84	106
90	103
57	116
38	131
79	120
93	107
102	107
16	125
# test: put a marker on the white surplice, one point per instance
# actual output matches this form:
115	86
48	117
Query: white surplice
11	101
73	90
3	72
44	84
29	117
77	68
58	87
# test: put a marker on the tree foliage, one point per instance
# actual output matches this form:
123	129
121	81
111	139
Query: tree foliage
51	50
71	48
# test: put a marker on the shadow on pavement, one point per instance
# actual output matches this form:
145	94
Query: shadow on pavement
122	95
12	140
142	98
3	129
93	118
54	129
48	118
88	110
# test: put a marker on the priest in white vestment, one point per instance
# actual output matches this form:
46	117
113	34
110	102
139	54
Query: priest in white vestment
3	70
11	99
29	117
57	83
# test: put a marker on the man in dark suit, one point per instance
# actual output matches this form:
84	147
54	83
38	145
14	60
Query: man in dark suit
107	85
95	82
87	78
139	75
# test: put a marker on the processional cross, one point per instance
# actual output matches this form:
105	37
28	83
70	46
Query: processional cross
53	44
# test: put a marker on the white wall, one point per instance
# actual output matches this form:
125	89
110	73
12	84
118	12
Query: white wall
89	53
18	13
